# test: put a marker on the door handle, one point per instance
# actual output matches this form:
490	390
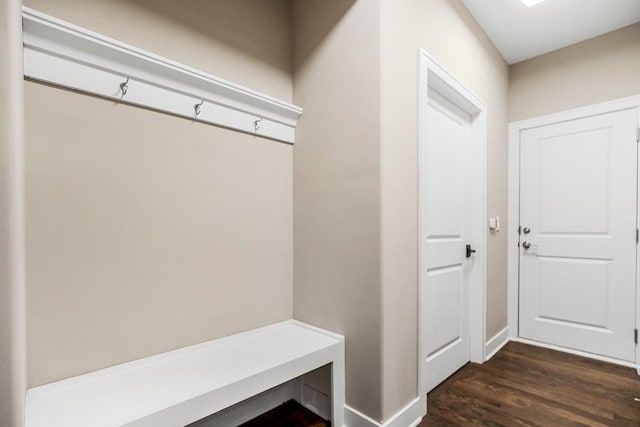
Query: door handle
526	230
470	251
526	245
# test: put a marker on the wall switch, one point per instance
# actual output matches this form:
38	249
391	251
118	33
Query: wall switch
494	223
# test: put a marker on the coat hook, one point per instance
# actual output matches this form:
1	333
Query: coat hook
124	86
256	124
198	108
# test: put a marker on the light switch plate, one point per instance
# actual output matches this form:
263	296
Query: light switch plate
494	223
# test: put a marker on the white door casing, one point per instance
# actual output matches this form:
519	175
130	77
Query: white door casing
452	205
578	198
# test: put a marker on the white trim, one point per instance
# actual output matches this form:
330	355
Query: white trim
513	236
213	376
576	352
12	227
448	86
578	113
63	54
495	344
409	416
637	359
514	206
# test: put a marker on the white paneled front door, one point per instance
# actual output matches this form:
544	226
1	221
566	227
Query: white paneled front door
447	191
578	198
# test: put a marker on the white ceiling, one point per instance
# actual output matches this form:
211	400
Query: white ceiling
521	32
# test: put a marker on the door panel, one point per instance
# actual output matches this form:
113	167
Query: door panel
578	198
563	278
447	193
572	167
446	294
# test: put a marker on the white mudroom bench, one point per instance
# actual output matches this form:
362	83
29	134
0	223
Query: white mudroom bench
185	385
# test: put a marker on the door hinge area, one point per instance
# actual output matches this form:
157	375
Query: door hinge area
638	135
635	335
637	235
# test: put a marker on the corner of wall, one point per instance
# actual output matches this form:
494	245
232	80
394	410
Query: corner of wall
336	184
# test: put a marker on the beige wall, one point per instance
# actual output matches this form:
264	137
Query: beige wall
12	322
446	30
147	232
597	70
211	35
336	183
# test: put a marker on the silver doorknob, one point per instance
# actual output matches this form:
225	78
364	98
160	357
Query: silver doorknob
526	230
526	245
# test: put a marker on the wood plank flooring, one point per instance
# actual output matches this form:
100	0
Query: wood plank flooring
530	386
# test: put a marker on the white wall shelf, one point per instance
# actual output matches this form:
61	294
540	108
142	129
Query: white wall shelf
63	54
186	385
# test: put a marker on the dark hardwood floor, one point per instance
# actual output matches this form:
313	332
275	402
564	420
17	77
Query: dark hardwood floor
289	414
530	386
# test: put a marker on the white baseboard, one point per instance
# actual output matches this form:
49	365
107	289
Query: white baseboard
315	401
409	416
495	344
577	353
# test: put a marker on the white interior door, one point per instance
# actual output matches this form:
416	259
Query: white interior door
447	192
578	198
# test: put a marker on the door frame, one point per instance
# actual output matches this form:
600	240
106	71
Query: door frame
433	75
513	252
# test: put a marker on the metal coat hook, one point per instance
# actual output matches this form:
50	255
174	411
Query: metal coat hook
124	86
198	108
256	124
